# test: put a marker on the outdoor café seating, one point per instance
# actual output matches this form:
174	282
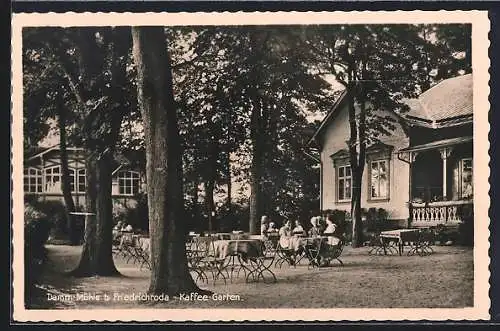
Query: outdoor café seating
132	247
418	240
226	256
320	251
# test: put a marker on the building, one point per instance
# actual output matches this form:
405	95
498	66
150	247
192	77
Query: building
42	177
422	173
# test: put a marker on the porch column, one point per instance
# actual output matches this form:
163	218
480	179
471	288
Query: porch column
445	153
42	163
411	160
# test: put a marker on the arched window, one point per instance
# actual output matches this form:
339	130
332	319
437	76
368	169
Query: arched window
52	179
128	182
32	180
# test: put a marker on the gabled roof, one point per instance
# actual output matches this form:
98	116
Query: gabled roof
40	151
34	151
445	102
329	117
53	148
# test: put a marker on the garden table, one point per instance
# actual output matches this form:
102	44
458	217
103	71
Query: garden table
400	236
244	254
245	247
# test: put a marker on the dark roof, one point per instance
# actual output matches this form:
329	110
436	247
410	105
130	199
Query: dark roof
445	104
437	144
449	99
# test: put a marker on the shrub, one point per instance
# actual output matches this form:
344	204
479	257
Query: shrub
376	220
466	228
137	215
55	212
36	232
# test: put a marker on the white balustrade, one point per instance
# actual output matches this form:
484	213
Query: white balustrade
434	213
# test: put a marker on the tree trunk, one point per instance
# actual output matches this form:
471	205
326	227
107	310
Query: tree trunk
196	209
213	155
357	223
209	203
66	178
229	205
169	274
97	258
357	153
255	170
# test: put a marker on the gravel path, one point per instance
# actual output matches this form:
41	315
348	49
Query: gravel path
443	279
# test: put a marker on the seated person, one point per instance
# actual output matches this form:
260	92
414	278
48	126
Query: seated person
298	230
264	226
285	233
330	231
315	230
118	226
272	227
286	241
117	232
127	228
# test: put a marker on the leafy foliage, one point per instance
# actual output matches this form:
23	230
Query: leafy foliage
242	93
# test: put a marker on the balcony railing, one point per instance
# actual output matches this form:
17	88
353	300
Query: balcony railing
447	213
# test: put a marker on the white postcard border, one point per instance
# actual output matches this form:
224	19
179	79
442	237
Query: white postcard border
480	44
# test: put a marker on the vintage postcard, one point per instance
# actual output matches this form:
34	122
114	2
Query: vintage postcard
284	166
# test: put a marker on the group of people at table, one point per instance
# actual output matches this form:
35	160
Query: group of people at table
292	237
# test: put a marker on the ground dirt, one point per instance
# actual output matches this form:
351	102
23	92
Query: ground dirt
443	279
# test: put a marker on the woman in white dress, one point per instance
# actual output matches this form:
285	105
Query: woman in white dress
330	230
298	230
285	235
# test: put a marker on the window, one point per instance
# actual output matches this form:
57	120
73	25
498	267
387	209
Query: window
53	179
78	180
81	180
128	182
466	178
344	183
379	179
32	180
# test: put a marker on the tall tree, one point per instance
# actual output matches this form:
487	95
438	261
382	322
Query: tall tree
101	130
91	63
170	272
46	97
262	74
66	178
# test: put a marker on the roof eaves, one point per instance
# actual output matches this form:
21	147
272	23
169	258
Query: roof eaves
43	152
55	147
327	118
